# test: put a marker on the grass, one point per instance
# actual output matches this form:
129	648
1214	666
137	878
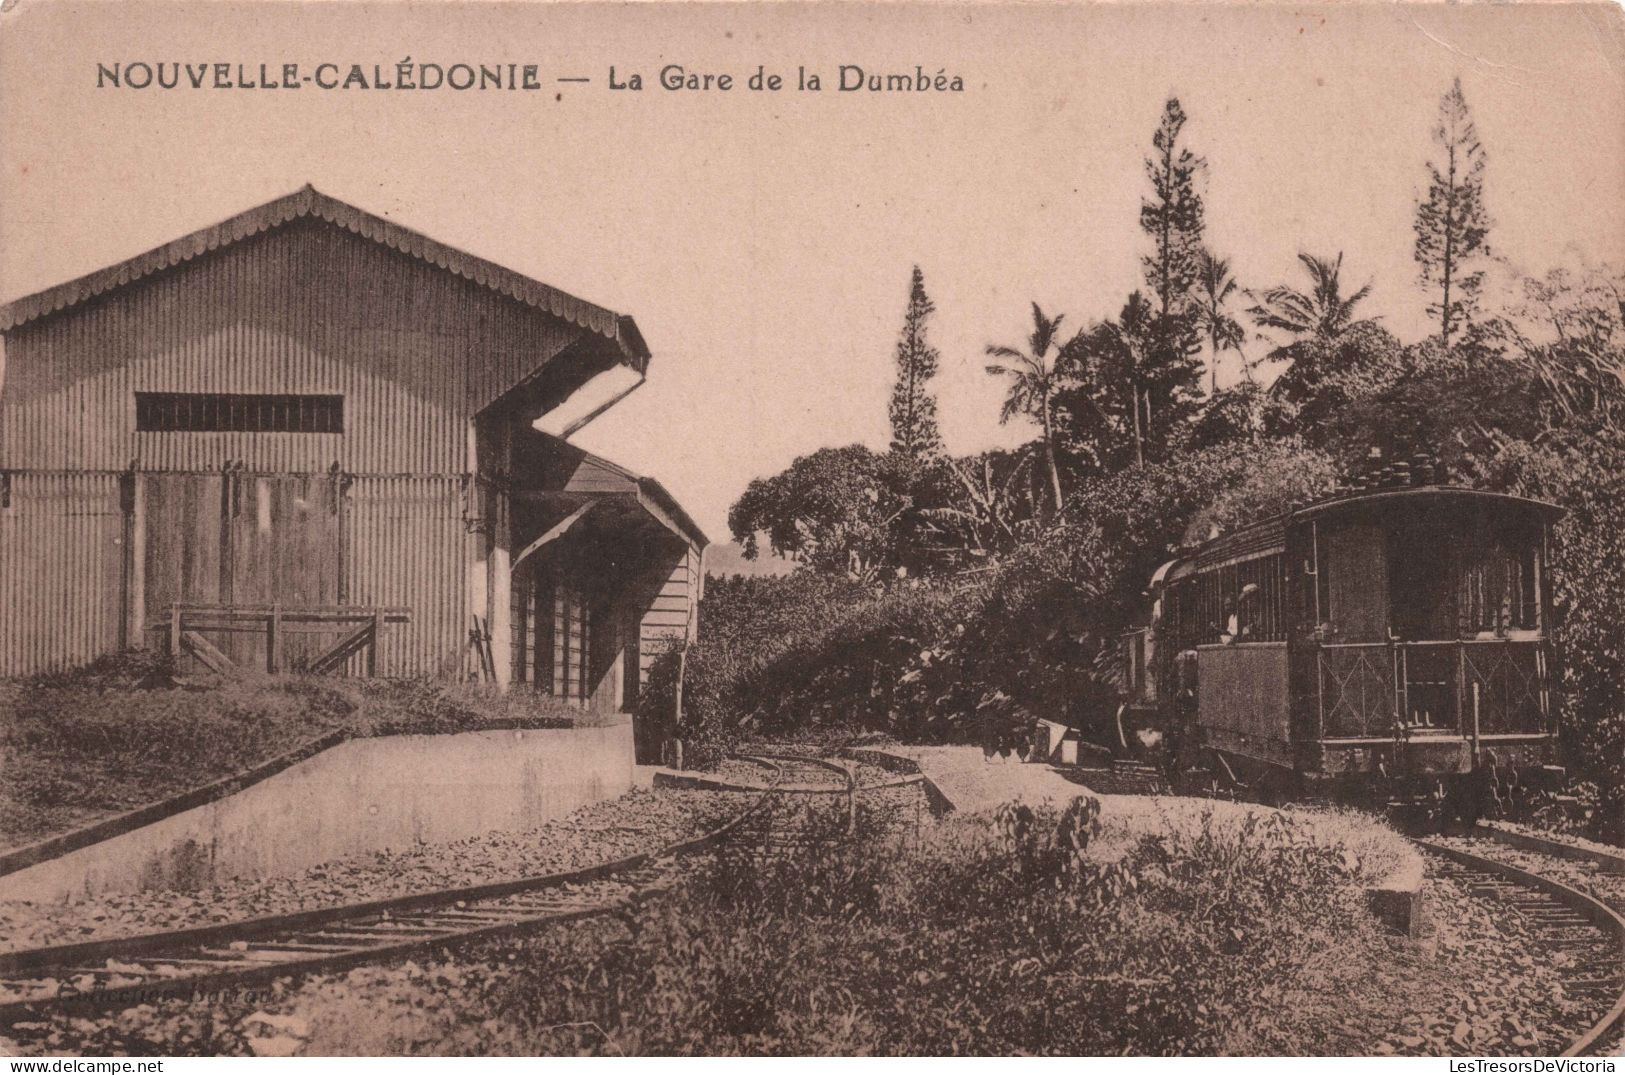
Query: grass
79	746
1027	931
1007	935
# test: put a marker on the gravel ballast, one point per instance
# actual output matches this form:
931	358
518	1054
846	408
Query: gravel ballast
599	832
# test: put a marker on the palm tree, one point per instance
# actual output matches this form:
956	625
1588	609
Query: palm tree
1317	320
1322	312
1214	287
1033	384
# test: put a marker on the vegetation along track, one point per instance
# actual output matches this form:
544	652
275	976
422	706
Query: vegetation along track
1578	933
123	971
793	824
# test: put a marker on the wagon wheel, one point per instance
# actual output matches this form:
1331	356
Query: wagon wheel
1464	802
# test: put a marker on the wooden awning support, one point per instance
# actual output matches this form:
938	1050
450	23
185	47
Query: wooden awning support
557	531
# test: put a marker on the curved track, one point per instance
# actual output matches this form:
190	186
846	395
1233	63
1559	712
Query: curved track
1576	930
786	833
1578	933
130	970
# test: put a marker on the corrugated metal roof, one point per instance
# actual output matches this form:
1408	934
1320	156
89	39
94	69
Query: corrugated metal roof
1258	539
647	487
310	202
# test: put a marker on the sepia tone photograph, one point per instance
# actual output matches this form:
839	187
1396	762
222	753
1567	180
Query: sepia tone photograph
784	530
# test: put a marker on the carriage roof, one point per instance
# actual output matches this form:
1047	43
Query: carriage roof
1268	536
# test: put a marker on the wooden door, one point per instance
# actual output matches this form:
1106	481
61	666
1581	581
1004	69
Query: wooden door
282	548
181	555
1357	581
243	540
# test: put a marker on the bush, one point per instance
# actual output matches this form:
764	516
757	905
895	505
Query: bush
977	655
1585	475
1003	936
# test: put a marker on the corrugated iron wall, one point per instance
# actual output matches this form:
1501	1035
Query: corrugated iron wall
405	545
304	308
307	308
64	576
62	572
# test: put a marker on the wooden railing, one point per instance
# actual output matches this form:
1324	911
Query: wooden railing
184	627
1470	687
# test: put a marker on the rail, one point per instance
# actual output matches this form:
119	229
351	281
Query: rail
131	970
1555	908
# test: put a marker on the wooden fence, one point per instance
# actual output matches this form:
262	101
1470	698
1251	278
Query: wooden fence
185	625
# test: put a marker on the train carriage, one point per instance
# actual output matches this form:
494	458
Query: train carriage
1392	637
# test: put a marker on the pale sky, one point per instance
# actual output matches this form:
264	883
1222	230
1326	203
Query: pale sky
764	241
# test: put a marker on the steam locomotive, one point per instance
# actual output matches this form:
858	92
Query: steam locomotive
1388	643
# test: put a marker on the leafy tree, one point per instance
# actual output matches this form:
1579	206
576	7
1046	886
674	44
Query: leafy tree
1452	225
1033	381
1321	313
1229	415
1215	287
989	509
913	409
1132	384
1555	368
1574	347
1316	322
1173	214
836	510
1107	366
1584	472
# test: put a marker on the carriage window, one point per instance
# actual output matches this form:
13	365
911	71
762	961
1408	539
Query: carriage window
1496	588
1419	559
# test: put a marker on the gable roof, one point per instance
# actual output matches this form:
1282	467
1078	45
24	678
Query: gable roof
571	469
307	201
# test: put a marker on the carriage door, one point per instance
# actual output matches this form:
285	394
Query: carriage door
1357	584
1356	662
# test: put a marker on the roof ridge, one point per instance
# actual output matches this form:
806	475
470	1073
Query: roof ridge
307	201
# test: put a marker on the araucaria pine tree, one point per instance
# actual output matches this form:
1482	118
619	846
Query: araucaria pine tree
1168	381
1452	225
913	409
1173	215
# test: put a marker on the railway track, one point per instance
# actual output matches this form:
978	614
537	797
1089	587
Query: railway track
1578	933
784	828
124	971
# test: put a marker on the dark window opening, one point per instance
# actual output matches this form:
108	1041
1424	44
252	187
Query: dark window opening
221	412
1495	588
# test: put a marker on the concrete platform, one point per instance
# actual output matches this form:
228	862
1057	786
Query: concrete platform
963	779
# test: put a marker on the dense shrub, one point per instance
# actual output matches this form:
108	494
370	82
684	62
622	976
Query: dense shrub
1585	476
974	655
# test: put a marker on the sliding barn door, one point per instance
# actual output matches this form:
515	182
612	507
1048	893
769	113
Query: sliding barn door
243	540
